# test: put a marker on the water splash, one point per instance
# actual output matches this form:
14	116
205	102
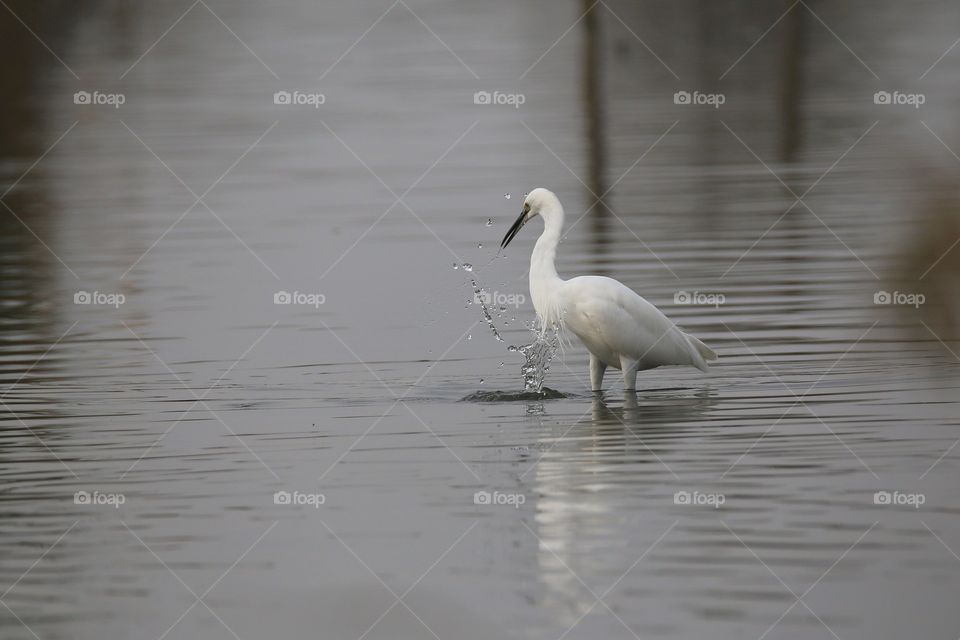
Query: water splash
516	396
537	357
481	297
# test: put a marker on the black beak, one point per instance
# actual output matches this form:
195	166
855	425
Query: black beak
517	225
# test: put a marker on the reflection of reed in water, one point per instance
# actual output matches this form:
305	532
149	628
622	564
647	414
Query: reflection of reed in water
27	269
31	320
593	100
791	84
931	263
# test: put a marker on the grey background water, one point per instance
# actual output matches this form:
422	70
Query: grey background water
198	397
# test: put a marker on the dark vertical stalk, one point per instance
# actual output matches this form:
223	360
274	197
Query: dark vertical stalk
791	84
593	104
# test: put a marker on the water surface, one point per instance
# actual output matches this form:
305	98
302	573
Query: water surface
198	398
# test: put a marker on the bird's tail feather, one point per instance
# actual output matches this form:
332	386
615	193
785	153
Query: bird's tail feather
702	353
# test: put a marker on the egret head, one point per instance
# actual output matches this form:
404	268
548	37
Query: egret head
540	201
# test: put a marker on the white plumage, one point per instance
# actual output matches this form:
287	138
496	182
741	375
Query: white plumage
617	326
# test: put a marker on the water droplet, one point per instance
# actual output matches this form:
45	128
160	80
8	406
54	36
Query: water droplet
455	266
467	266
489	222
507	196
500	365
481	380
470	337
479	245
511	348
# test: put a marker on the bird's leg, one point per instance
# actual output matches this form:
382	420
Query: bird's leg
596	373
629	368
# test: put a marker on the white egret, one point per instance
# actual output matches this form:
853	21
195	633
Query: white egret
618	327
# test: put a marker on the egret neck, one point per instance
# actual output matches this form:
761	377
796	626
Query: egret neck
544	282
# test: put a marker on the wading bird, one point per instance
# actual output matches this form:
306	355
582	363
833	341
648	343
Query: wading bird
618	327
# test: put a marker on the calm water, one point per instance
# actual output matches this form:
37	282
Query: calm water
198	398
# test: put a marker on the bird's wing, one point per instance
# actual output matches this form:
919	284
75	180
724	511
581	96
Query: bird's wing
602	309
